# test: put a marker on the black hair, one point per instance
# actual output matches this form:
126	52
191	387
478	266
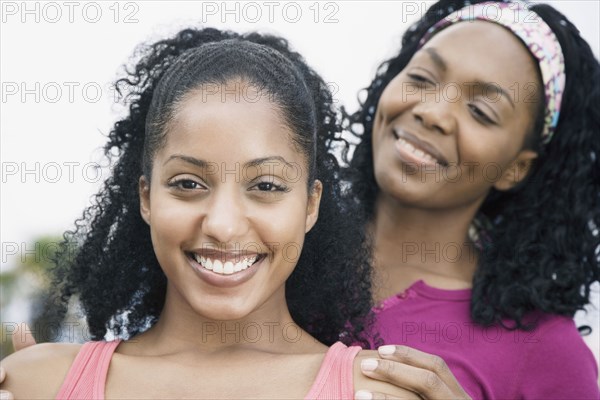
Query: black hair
542	250
114	270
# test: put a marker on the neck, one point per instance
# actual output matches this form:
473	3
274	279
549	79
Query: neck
180	328
414	243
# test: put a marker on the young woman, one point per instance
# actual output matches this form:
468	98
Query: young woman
522	295
478	168
218	246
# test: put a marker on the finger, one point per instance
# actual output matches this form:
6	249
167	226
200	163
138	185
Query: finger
416	358
422	381
4	395
426	361
22	337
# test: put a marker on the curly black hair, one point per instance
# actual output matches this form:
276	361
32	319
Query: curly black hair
114	271
542	250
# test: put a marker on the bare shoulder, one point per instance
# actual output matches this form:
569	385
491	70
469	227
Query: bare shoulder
37	372
362	382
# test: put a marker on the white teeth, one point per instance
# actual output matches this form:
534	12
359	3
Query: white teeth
418	152
218	267
237	267
227	268
408	145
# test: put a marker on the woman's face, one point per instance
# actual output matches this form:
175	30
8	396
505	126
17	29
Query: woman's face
453	123
228	204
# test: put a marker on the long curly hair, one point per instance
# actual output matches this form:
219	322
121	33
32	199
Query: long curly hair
543	244
114	271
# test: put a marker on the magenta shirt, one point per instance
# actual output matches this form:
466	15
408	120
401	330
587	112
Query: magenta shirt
550	362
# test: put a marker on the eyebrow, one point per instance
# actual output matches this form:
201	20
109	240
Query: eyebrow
436	58
204	164
441	64
190	160
264	160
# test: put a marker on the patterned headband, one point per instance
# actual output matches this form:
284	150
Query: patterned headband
537	36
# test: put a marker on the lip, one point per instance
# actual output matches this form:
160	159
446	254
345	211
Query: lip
225	281
421	145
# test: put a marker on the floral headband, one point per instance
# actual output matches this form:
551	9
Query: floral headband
535	34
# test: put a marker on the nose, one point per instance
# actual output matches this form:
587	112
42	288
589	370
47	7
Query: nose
225	218
435	115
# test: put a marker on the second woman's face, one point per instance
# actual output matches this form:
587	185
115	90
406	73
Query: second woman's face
228	204
453	123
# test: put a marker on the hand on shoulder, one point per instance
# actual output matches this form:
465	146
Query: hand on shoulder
396	371
378	389
38	371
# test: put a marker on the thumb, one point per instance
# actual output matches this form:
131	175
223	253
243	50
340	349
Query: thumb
22	337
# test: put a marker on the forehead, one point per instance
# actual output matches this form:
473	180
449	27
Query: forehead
231	122
486	51
233	105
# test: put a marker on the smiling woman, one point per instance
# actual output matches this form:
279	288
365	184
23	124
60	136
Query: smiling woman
219	221
492	128
218	247
478	164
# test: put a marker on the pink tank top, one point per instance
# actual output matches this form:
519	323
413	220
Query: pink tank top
87	377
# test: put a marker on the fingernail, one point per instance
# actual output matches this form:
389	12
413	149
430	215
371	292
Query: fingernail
363	395
5	395
387	350
370	364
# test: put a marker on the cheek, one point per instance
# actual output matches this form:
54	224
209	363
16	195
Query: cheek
398	94
286	220
173	224
485	161
396	99
386	102
386	168
282	228
489	145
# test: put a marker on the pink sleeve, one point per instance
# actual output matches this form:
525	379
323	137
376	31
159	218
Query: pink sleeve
87	377
335	379
559	365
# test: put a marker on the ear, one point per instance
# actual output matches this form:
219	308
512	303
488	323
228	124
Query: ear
312	209
517	170
144	190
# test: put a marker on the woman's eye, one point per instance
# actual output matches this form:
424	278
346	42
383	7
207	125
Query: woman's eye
269	187
420	79
265	186
189	184
185	184
480	115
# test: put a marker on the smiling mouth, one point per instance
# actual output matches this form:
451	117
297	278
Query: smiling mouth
228	264
418	148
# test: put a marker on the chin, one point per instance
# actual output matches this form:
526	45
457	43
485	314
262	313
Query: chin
411	195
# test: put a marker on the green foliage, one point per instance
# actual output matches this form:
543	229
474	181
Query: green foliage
28	280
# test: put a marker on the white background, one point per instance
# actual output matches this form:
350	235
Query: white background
55	55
